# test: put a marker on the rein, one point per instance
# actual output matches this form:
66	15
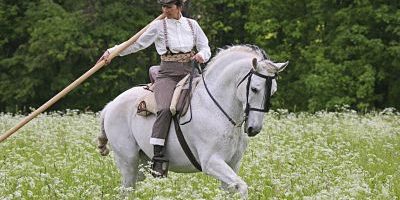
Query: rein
216	102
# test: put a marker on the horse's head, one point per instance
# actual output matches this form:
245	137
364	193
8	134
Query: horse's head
260	85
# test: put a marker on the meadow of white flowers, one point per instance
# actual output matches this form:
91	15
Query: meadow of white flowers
326	155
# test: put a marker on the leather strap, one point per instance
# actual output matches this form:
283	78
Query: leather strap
192	29
216	102
166	34
184	144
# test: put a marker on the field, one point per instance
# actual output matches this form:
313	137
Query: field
326	155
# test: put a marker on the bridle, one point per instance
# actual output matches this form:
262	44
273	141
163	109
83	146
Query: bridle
267	94
248	76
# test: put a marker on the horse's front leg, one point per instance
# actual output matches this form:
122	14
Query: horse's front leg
237	158
219	169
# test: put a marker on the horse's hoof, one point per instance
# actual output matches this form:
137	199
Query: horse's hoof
104	151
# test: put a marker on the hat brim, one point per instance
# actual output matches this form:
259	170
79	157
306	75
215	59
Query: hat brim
168	3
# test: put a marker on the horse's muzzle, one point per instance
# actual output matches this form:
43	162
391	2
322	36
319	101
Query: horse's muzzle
251	131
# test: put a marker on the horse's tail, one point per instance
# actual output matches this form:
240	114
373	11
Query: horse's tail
102	138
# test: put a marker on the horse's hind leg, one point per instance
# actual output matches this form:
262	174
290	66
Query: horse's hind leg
143	164
131	166
126	150
127	160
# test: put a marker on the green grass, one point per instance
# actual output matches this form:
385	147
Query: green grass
327	155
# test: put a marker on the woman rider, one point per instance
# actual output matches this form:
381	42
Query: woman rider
175	38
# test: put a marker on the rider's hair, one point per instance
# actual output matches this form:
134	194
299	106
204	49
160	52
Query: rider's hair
179	3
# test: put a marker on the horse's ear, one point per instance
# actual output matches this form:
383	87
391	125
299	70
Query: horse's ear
255	63
281	66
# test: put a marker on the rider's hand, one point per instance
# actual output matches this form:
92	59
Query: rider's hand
104	57
198	58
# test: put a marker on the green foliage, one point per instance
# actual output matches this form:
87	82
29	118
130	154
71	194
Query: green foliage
340	52
222	20
62	41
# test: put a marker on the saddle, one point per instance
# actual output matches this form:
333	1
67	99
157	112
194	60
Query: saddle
146	103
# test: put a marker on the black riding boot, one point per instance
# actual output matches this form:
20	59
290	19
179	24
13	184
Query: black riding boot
160	163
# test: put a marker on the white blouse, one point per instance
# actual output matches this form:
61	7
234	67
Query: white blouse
180	38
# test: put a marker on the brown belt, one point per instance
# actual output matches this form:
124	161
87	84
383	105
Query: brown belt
179	57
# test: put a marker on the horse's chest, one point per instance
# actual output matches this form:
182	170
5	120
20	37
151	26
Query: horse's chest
230	141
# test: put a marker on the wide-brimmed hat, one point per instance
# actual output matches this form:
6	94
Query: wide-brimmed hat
169	2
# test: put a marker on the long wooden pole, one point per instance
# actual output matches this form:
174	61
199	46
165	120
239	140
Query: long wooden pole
77	82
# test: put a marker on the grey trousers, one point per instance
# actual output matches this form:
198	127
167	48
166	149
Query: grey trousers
170	74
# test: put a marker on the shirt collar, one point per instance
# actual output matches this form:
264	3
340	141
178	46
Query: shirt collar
180	20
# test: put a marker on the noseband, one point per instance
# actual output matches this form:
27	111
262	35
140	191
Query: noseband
268	86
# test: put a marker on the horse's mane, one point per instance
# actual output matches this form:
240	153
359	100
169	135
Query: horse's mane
243	48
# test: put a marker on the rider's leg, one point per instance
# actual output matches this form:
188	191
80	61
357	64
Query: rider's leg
153	72
169	75
163	91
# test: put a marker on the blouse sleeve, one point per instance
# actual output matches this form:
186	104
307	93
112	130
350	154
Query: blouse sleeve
144	41
202	42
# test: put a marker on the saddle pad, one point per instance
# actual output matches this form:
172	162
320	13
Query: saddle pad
177	94
146	103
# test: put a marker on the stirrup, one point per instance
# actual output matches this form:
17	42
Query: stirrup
159	167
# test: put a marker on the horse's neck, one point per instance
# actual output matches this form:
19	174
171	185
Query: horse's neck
221	80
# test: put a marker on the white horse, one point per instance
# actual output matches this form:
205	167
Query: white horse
240	79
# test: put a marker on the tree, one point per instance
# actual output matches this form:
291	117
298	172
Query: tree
337	51
340	52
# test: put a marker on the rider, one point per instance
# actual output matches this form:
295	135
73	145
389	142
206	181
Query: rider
175	38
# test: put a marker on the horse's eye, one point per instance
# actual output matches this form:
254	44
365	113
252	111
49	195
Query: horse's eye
254	90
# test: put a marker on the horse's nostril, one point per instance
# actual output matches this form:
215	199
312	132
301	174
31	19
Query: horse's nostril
251	131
